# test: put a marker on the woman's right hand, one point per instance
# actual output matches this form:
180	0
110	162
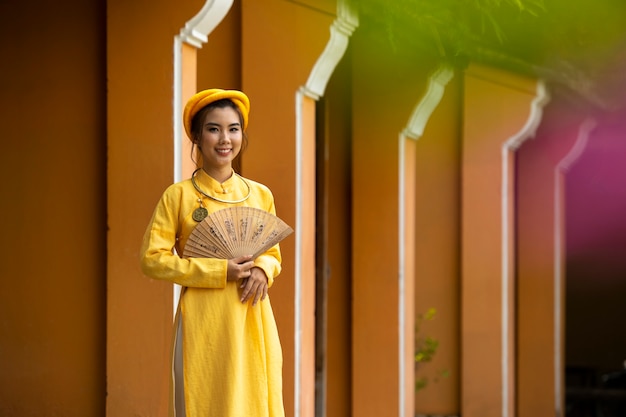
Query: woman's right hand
239	268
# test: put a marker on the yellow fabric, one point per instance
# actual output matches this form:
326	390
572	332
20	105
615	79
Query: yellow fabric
232	357
205	97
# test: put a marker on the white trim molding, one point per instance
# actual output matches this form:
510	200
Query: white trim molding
421	114
542	97
298	260
340	31
195	33
196	30
413	130
584	131
401	274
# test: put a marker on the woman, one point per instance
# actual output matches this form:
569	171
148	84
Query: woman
227	355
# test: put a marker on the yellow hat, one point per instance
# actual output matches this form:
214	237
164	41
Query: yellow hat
205	97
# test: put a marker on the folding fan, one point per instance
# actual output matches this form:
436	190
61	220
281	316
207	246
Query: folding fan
235	231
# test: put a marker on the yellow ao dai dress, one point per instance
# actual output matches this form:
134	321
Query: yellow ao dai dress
230	351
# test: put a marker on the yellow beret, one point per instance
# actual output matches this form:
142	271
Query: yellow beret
205	97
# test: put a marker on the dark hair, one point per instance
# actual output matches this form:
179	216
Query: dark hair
198	119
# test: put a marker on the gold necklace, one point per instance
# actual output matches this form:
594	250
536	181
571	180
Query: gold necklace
200	213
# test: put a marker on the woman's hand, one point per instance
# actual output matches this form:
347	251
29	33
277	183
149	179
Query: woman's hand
239	268
254	286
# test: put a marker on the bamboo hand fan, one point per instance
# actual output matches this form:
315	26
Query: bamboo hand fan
235	231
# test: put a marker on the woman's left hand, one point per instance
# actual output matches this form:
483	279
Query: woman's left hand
254	286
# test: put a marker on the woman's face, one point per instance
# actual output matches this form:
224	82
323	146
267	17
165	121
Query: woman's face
221	138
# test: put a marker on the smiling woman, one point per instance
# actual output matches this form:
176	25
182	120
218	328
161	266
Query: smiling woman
217	132
227	358
229	117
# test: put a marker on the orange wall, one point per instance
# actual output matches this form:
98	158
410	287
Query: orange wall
53	165
219	60
496	106
140	167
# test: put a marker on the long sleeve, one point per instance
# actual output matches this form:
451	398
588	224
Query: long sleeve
158	257
270	261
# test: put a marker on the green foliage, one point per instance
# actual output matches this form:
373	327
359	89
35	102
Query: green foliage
450	28
578	44
425	349
428	349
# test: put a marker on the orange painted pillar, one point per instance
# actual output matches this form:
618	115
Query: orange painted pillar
407	239
383	233
53	161
437	251
281	42
141	164
375	269
497	108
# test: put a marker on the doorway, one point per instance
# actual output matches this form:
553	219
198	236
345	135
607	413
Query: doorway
596	276
333	322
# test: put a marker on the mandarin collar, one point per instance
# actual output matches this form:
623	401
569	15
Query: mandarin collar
211	184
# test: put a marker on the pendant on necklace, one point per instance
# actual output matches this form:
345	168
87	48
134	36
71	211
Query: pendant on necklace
199	214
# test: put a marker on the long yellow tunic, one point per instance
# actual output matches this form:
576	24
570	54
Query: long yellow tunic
232	358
